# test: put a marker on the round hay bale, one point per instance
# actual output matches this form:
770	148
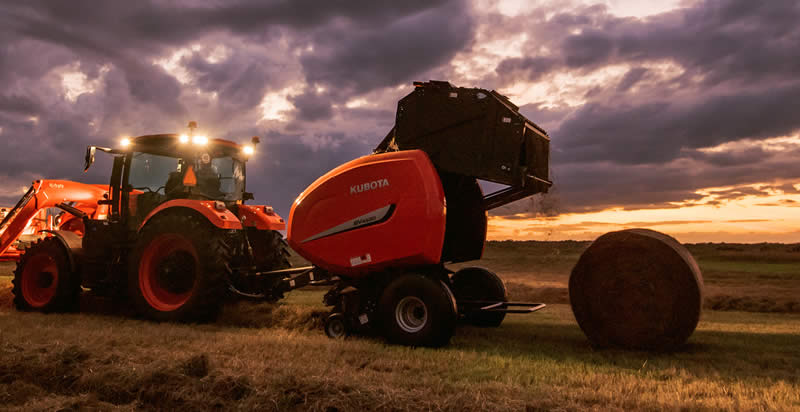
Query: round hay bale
636	289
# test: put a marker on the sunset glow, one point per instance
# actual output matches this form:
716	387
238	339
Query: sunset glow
774	217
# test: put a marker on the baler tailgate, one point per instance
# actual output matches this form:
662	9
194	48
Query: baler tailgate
474	133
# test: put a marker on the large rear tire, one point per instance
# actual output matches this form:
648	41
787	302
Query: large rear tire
417	311
178	269
44	280
270	249
479	284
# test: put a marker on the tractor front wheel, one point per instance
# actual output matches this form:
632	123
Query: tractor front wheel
418	311
44	280
178	269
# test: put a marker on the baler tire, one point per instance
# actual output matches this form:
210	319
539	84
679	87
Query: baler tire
434	316
476	283
186	240
336	326
33	291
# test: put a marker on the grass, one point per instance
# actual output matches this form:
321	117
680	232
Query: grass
275	357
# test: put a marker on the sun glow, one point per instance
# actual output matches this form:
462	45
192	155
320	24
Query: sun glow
773	216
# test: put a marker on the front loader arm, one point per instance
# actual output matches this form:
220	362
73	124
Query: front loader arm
44	194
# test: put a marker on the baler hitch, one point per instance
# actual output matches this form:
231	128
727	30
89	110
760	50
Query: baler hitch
276	282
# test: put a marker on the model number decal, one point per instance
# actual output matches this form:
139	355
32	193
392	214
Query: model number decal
375	184
374	216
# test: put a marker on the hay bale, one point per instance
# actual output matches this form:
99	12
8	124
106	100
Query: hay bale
637	289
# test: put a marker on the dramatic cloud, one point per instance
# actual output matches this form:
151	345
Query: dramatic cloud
316	80
644	110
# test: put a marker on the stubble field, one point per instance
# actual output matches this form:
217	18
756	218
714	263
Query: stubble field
745	354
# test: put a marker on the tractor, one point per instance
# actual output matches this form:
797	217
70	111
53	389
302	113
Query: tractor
172	234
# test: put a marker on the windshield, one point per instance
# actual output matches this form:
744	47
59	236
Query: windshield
219	178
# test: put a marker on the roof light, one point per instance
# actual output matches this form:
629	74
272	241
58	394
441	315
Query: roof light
248	150
183	138
125	142
200	140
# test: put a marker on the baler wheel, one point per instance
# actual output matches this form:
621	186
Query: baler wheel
335	326
44	280
416	310
479	284
178	269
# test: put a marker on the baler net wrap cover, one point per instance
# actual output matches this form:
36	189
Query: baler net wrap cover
472	132
636	288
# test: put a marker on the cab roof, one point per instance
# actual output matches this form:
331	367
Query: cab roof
172	144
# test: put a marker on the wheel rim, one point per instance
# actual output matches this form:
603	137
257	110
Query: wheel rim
411	314
335	328
39	280
168	272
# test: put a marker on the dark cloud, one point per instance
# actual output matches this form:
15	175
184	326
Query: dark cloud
635	142
526	68
349	60
630	79
658	131
265	47
312	106
18	105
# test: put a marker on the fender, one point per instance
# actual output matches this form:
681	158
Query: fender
222	219
261	217
73	244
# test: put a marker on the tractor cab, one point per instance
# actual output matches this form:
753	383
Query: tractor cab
160	168
153	169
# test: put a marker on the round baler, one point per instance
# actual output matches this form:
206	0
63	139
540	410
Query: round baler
383	227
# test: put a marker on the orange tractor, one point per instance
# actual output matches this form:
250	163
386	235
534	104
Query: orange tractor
170	231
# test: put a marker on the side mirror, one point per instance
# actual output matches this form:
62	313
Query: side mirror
90	150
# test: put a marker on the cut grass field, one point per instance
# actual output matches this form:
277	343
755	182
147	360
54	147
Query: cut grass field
275	356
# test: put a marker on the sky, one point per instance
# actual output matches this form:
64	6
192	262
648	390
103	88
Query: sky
680	116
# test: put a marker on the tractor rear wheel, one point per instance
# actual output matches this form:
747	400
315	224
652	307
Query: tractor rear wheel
178	269
417	311
479	284
269	248
44	280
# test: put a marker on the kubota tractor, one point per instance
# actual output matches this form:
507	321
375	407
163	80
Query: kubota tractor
171	231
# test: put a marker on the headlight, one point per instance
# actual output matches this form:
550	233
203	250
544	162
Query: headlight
200	140
248	150
125	142
183	138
